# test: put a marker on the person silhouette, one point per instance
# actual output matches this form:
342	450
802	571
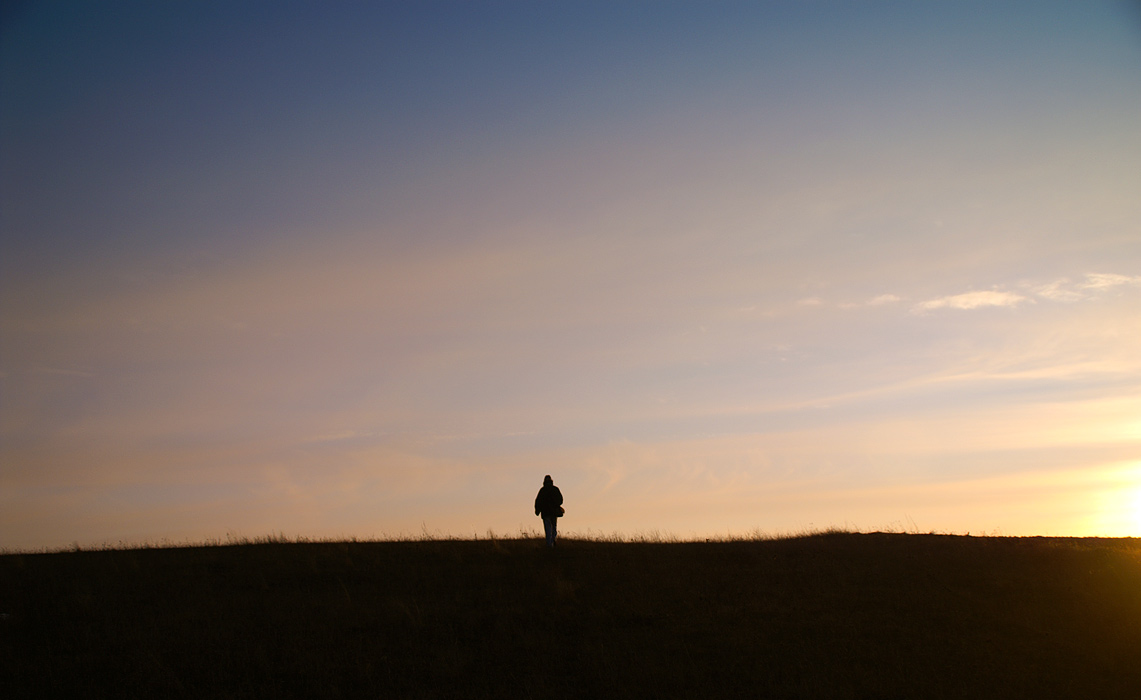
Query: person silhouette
549	505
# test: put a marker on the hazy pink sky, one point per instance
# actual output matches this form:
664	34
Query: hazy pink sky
331	269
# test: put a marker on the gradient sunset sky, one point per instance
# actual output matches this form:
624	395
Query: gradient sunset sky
373	269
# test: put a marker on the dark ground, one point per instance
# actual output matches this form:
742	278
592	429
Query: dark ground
823	616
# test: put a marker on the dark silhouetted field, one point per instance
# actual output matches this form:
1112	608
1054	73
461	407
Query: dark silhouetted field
822	616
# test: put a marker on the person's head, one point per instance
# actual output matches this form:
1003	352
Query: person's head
547	480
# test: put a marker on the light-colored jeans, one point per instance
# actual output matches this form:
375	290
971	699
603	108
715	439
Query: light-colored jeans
551	527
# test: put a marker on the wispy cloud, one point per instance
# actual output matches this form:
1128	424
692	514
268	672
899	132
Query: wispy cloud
1067	291
971	300
1098	280
1059	290
883	299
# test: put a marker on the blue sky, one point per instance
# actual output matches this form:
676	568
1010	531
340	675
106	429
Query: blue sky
336	269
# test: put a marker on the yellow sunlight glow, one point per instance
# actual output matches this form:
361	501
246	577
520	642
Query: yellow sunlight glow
1120	504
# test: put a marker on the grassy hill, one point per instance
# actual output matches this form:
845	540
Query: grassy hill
822	616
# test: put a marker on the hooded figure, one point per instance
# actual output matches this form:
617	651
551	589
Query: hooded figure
548	504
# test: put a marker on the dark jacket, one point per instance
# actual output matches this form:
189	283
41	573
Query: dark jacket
548	501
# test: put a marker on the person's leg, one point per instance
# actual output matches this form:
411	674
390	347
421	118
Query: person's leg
549	528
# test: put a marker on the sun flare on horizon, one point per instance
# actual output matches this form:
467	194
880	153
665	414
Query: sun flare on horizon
1119	505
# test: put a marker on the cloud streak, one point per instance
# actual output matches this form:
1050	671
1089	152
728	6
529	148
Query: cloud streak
1060	290
972	300
883	299
1095	283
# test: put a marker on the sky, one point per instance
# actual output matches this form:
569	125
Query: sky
373	269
